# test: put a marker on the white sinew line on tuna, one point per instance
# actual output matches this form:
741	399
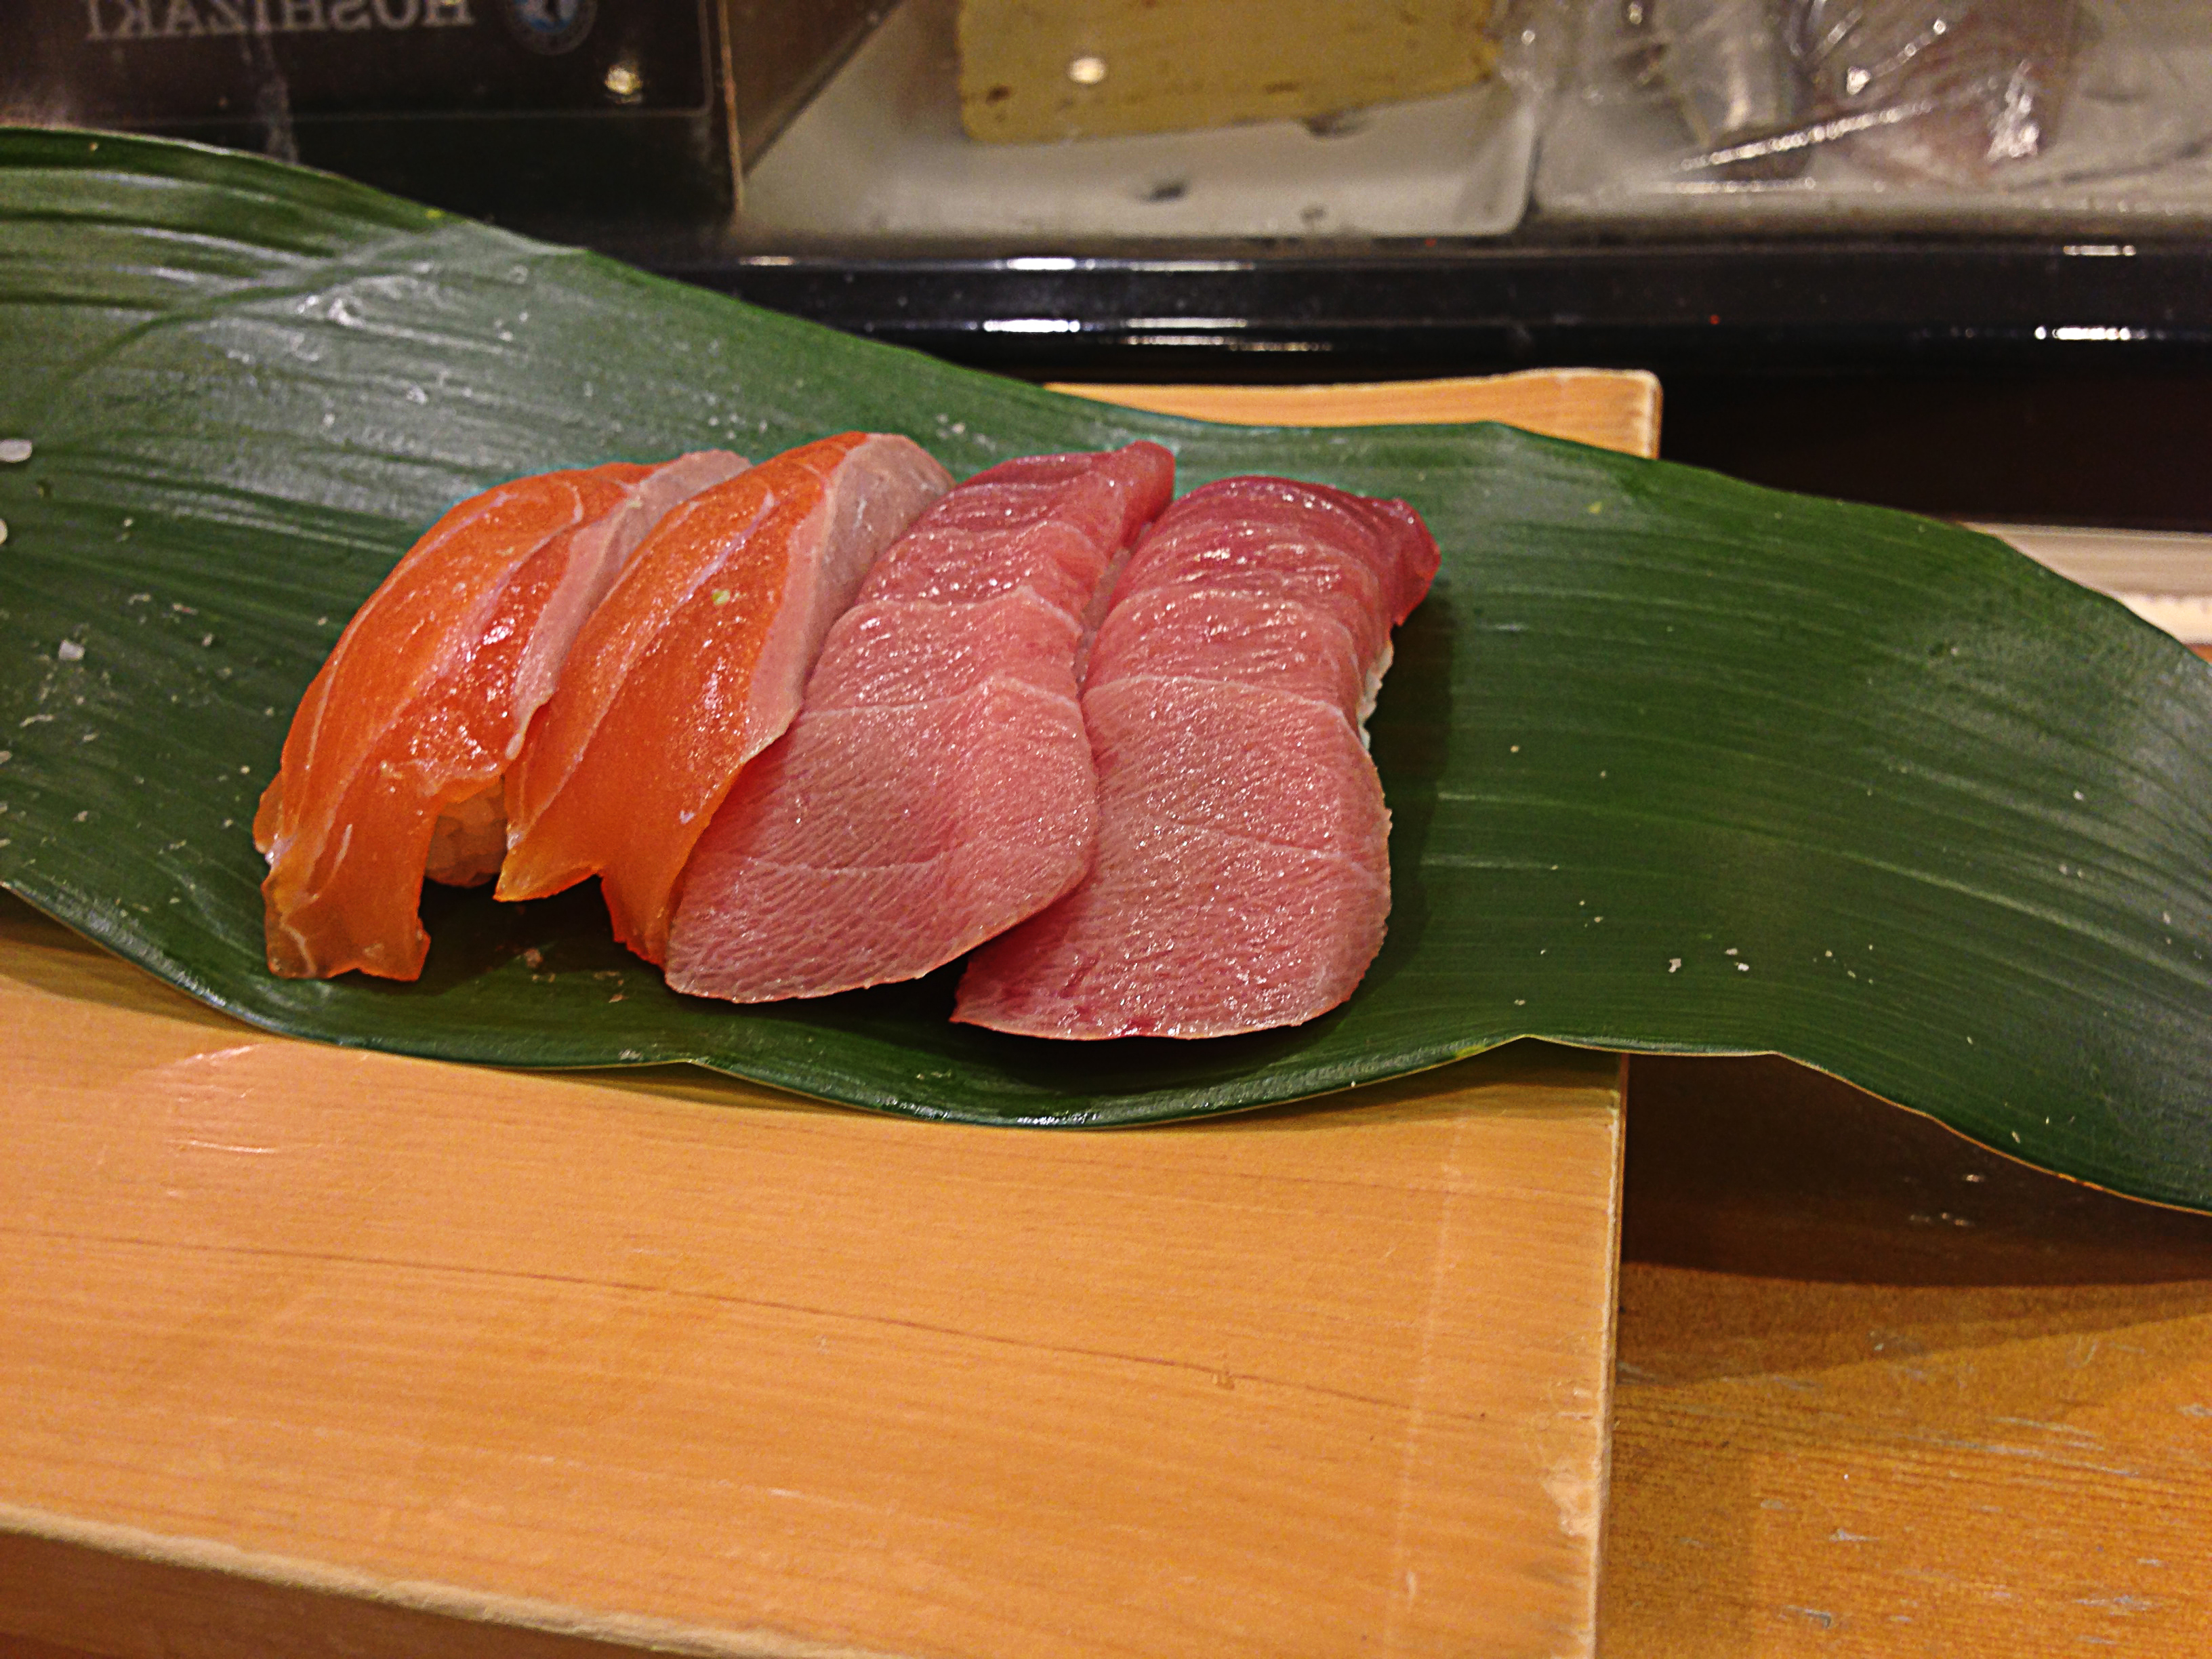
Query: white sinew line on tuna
937	788
1242	878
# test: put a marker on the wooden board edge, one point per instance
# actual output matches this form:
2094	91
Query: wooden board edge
1617	409
86	1570
1608	1372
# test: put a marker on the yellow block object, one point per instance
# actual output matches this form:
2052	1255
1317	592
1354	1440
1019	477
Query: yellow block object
1031	70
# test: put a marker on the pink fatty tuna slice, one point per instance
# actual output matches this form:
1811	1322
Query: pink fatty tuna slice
1242	878
937	788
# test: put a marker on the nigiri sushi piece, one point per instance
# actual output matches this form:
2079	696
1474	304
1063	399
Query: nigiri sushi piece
392	768
936	787
692	665
1243	879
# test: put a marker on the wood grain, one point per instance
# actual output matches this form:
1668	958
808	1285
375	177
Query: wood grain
316	1352
670	1347
1883	1392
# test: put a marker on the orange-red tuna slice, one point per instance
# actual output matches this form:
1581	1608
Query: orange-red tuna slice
394	759
693	665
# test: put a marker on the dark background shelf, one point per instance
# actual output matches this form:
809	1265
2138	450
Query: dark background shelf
2030	379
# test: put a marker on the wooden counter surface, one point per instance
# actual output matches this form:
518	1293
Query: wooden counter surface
1883	1393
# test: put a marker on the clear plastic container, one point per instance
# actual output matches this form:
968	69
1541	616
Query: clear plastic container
1960	112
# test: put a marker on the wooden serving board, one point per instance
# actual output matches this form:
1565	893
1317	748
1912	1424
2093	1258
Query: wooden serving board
310	1351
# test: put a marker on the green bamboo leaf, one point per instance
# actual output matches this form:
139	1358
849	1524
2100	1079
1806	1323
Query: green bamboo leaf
1676	763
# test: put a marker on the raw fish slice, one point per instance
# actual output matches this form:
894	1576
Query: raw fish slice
529	638
1002	534
938	786
1266	535
1208	634
693	664
779	912
1243	879
897	651
393	767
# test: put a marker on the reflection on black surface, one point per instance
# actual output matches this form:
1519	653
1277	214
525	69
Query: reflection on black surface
1756	1166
